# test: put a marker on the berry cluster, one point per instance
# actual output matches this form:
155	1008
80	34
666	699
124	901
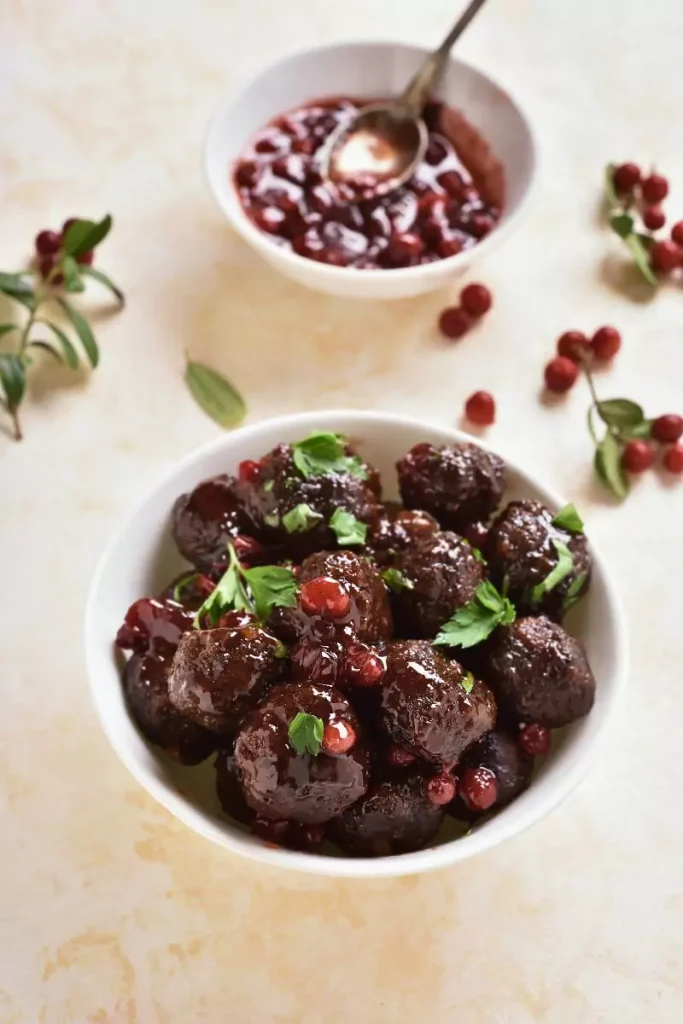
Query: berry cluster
48	246
574	349
475	301
644	195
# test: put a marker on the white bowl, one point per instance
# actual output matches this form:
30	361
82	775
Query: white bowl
369	69
141	559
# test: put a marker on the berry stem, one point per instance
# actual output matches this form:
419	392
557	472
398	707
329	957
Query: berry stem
18	435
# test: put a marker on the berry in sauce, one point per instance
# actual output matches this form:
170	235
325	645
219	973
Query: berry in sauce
478	789
511	766
440	789
534	739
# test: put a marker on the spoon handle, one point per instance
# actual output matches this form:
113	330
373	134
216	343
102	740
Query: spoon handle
420	85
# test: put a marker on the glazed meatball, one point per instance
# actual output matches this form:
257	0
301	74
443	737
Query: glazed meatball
278	487
146	688
153	618
500	754
395	529
457	483
217	675
540	673
394	816
205	519
521	551
351	602
431	705
228	788
445	575
280	783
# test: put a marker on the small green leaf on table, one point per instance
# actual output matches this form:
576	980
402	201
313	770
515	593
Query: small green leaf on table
215	395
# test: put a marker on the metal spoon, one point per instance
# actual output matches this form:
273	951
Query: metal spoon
379	148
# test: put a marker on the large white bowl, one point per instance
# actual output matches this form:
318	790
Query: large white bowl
374	70
141	559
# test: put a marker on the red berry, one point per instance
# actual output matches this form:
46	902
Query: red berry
48	243
626	177
86	258
405	247
440	789
363	666
46	266
677	233
561	374
673	458
535	739
151	618
269	219
67	224
606	342
668	429
399	757
654	188
654	218
480	408
249	471
326	597
449	247
665	256
338	737
247	549
479	789
454	322
637	456
573	345
476	299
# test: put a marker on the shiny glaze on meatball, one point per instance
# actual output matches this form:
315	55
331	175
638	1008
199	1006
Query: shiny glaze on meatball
217	675
395	529
445	575
457	483
520	549
500	753
280	783
230	795
205	519
539	672
426	705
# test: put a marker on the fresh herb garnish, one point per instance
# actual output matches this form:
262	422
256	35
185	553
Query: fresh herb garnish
324	453
306	733
182	585
574	592
216	395
467	683
623	224
268	485
256	590
301	519
271	586
569	519
477	619
559	572
349	530
397	580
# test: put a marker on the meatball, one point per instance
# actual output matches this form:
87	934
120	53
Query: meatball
229	791
205	519
280	783
146	687
397	528
522	553
445	575
279	487
217	675
512	767
367	615
431	705
394	816
457	483
539	672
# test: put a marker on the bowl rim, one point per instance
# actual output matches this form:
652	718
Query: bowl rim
431	858
262	242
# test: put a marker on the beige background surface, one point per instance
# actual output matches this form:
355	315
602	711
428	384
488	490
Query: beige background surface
113	912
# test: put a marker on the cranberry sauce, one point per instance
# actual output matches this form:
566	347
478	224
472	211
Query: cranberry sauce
439	212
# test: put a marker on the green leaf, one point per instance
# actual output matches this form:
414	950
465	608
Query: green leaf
271	586
300	519
281	650
272	519
82	328
321	454
15	287
622	224
349	530
620	412
216	396
397	581
641	258
12	378
569	519
47	347
608	466
476	620
72	275
97	275
574	592
182	583
83	235
467	683
69	352
641	431
306	733
559	572
610	191
6	328
268	485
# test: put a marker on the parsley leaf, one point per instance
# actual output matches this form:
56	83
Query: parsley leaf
467	683
324	453
569	519
574	592
348	529
559	572
271	586
256	590
230	593
476	620
397	580
306	733
300	519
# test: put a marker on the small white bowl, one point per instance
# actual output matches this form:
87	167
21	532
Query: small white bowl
374	70
141	559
